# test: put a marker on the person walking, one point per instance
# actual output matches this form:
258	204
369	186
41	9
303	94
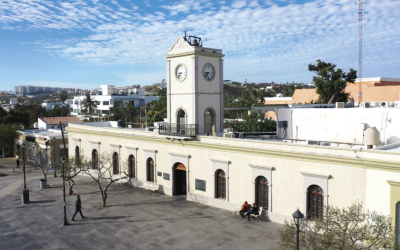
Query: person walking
78	207
18	163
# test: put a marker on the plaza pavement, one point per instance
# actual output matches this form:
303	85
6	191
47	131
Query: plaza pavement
132	220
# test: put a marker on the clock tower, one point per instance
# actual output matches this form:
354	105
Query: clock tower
195	86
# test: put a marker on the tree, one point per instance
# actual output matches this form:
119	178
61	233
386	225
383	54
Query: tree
103	176
37	156
127	112
346	228
72	167
63	97
158	109
8	134
20	100
331	82
89	103
253	121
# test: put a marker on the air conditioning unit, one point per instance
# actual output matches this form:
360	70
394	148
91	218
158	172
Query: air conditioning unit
340	105
377	104
364	105
385	104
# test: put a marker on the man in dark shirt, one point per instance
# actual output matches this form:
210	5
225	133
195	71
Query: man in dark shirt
78	206
254	210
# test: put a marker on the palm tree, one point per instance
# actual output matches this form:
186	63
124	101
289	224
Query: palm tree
88	104
63	97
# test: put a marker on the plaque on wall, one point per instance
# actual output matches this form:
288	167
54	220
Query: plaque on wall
166	176
200	185
159	174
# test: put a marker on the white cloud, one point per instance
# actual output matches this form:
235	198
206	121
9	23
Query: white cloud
258	41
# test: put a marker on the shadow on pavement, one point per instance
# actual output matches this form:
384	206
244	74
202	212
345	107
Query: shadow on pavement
45	201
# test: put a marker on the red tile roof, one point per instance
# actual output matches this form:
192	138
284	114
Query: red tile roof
57	120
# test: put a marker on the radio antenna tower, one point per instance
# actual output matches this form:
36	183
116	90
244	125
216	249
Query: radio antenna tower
360	18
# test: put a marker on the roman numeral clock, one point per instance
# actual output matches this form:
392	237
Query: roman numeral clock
195	86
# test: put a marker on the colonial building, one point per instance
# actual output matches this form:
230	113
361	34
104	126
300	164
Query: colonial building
224	172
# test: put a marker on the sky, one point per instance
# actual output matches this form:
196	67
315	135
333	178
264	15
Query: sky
85	44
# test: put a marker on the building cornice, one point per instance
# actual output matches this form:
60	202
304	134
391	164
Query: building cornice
261	167
288	155
321	176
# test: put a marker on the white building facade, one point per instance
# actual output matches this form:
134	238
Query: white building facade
225	172
111	97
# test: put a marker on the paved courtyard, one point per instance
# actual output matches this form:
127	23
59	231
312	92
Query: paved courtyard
132	220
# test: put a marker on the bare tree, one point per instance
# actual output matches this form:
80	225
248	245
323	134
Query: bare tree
38	157
341	229
72	167
104	175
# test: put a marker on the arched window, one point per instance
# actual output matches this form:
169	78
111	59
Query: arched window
77	155
262	192
221	184
131	165
95	159
150	170
115	163
315	201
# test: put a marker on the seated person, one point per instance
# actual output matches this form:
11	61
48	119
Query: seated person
244	209
254	210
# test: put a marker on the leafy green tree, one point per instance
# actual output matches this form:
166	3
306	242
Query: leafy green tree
341	229
89	103
331	82
20	100
126	112
8	134
18	115
36	111
253	121
158	109
63	97
57	111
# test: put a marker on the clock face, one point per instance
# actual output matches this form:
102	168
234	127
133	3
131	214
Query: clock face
208	72
180	72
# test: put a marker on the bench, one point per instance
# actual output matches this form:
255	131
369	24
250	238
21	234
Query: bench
150	186
258	217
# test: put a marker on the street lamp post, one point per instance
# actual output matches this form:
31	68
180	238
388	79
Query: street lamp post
298	219
54	155
25	192
65	205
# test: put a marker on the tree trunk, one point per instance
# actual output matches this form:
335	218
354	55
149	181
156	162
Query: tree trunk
70	185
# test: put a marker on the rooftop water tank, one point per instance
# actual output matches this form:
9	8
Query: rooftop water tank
372	137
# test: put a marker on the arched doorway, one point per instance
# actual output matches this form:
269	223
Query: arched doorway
180	121
209	122
150	169
179	175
